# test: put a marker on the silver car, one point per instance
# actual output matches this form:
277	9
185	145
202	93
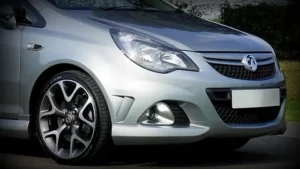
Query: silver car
80	75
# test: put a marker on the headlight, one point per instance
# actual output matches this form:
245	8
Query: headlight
151	55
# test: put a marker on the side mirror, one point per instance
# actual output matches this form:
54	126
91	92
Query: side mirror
7	17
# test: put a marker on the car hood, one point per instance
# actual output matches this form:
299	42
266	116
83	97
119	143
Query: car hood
183	31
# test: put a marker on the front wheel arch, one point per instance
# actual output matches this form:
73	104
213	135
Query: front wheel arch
40	82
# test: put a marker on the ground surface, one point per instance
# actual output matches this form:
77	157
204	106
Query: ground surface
280	152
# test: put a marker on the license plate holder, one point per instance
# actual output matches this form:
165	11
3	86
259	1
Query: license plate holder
254	98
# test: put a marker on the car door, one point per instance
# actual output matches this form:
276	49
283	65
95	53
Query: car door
10	40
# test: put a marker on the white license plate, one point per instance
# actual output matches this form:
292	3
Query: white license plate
255	98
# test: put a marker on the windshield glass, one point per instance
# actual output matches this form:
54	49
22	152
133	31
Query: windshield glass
113	4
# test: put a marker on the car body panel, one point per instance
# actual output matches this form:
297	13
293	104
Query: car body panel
82	38
183	31
10	72
38	4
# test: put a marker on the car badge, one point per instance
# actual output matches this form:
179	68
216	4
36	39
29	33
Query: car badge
250	63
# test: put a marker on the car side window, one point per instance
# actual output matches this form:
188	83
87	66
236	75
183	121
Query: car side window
27	15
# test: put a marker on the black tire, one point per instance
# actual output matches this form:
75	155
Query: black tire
101	140
222	145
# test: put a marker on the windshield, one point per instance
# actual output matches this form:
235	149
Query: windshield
113	4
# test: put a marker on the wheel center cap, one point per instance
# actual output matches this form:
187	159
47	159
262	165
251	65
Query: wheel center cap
69	119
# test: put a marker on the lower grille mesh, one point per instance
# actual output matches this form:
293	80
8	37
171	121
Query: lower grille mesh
222	103
246	116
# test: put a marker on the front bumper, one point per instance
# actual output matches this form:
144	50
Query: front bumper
141	89
140	135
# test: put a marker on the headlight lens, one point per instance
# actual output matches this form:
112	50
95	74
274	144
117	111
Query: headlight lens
150	54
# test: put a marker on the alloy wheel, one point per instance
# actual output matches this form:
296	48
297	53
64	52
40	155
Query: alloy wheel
67	119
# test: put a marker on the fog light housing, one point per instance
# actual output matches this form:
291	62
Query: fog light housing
159	114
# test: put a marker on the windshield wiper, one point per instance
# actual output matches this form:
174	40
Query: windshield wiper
120	7
177	10
128	8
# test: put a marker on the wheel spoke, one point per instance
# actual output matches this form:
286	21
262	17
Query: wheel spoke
56	133
74	137
68	98
81	117
54	109
47	113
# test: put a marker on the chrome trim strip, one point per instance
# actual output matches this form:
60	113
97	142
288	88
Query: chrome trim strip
236	63
237	56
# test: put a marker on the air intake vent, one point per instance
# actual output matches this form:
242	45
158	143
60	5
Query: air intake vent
222	104
180	116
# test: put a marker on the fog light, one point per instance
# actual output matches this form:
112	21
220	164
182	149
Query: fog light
159	114
150	114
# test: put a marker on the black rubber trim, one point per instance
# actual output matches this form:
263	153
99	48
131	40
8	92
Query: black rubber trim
181	119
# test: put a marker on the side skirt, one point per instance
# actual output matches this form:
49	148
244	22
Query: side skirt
14	128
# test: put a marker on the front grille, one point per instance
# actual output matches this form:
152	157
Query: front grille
221	101
240	72
246	116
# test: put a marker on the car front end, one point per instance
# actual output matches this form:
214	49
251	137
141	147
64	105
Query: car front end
184	82
181	86
188	106
151	77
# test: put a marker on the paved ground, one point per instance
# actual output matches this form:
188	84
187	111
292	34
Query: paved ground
282	152
293	130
